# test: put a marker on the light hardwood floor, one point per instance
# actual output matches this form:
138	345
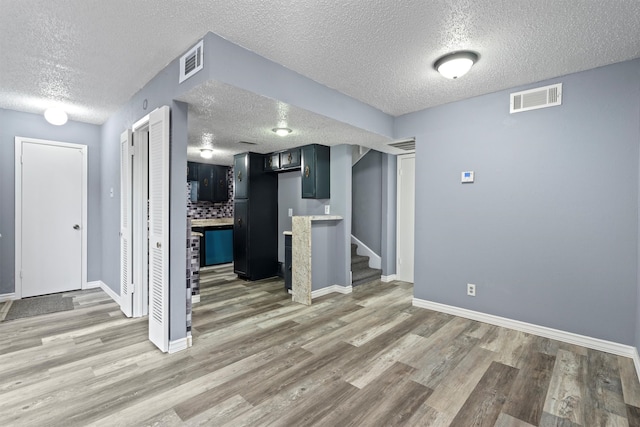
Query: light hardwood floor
364	359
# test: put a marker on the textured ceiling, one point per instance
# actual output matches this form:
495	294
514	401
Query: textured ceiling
220	116
92	56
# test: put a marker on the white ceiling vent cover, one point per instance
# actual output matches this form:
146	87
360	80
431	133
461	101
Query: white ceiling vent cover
532	99
191	62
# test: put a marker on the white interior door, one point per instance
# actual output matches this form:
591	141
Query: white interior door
405	217
126	251
159	228
50	222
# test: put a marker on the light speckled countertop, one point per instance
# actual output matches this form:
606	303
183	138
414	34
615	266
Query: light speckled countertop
213	222
322	217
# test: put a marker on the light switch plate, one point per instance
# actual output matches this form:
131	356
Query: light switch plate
327	209
290	212
466	176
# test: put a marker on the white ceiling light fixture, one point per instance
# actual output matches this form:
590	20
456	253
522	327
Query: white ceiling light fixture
457	64
206	153
282	131
55	116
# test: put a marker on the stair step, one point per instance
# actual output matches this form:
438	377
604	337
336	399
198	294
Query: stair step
359	260
365	276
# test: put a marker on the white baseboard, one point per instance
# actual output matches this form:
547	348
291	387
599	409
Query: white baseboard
100	284
8	297
178	345
329	289
375	261
387	279
543	331
195	299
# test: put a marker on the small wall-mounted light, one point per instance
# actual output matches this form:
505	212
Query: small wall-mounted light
457	64
206	153
282	131
55	116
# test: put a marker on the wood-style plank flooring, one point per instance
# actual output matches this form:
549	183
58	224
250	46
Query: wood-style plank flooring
365	359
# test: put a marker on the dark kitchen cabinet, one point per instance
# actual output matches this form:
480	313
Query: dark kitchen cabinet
255	227
240	175
213	183
272	162
316	180
192	171
290	159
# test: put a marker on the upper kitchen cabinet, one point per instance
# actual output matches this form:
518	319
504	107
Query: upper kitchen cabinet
316	180
212	183
290	159
272	162
240	176
192	171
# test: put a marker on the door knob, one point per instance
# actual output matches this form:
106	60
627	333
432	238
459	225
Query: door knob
76	227
158	245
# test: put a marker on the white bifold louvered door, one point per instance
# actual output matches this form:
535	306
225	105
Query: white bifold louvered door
159	228
126	254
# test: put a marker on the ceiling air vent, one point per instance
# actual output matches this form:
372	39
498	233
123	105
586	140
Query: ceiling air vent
247	142
191	62
542	97
405	144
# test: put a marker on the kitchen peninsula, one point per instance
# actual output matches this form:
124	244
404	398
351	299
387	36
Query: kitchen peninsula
314	238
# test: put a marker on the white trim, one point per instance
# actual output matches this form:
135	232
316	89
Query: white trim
636	361
399	189
8	297
374	259
330	289
107	290
19	140
543	331
195	299
178	345
387	279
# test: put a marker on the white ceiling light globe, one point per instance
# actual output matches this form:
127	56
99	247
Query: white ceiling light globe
456	64
206	153
55	116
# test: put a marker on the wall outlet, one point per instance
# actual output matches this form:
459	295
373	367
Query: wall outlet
290	212
327	209
471	289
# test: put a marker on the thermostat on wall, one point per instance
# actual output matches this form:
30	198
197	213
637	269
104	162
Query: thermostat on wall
467	176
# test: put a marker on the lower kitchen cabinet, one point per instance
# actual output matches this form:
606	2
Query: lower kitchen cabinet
216	245
255	238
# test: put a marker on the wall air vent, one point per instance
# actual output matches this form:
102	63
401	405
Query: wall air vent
191	62
541	97
405	144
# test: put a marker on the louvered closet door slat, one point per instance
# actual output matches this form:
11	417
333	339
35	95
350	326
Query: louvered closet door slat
126	256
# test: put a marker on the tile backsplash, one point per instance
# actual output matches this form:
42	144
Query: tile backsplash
204	210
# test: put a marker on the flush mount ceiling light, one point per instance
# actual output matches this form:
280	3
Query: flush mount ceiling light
282	131
455	64
55	116
206	153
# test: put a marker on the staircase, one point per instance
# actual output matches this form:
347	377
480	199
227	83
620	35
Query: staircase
360	271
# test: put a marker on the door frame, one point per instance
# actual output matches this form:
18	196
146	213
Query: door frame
19	141
140	191
398	209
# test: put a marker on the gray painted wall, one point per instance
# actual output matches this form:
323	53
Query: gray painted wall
549	230
389	206
339	236
366	222
14	123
